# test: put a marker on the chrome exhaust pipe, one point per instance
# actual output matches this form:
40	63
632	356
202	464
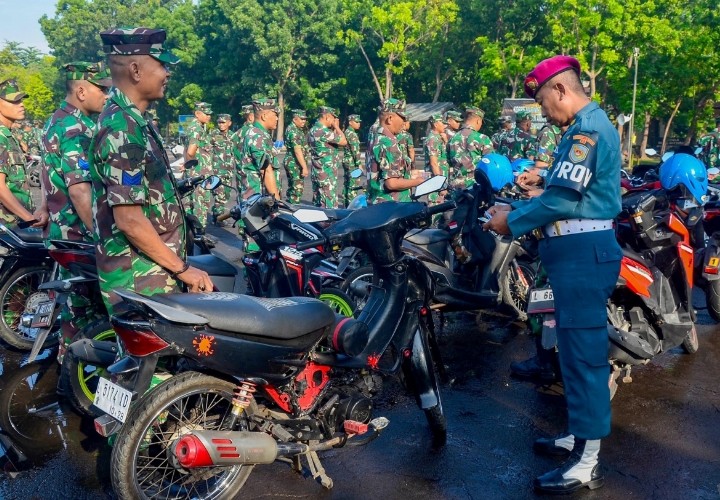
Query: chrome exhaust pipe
228	448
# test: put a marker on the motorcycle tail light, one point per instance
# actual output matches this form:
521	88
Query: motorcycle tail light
140	340
67	257
711	270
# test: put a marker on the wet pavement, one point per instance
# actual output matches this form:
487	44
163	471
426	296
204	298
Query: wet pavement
665	441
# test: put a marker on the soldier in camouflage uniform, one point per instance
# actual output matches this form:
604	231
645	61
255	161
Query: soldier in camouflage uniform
224	164
518	142
200	148
710	144
372	136
15	200
351	159
436	153
140	230
66	178
238	140
467	147
296	155
325	140
389	167
548	139
498	137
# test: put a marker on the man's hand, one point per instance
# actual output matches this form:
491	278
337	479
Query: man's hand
498	208
304	172
528	178
498	222
42	216
533	193
196	280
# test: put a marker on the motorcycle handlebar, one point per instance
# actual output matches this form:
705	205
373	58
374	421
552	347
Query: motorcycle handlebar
442	207
304	245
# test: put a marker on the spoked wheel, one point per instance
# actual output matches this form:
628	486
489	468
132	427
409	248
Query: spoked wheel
515	285
338	301
691	343
143	464
19	294
358	285
78	378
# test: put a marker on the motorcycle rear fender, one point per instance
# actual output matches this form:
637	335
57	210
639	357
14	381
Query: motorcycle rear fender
421	370
97	352
134	374
711	259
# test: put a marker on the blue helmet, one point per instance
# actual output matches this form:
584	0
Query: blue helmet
494	169
686	172
522	165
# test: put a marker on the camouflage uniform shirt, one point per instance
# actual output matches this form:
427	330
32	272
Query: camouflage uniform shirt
66	143
128	166
519	144
387	161
324	152
435	147
223	158
710	145
238	140
351	155
257	150
405	141
294	136
464	151
12	164
199	135
547	140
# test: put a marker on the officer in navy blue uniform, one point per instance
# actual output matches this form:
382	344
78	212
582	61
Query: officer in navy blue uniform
573	217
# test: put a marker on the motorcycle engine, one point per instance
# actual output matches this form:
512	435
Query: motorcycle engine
349	407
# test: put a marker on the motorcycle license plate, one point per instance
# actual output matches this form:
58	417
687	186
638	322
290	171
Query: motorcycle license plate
541	300
112	399
43	315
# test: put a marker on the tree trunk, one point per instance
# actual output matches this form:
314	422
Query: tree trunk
646	133
280	130
372	71
693	124
668	124
388	81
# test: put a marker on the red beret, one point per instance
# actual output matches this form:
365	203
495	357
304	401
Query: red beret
546	69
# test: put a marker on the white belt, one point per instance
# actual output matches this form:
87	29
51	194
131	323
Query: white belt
574	226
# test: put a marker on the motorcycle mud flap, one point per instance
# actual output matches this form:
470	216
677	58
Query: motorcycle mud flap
96	352
549	331
422	373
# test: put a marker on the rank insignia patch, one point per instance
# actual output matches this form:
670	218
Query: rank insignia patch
578	153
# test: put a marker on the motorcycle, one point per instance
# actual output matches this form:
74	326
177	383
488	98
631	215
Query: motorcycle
473	269
708	269
267	378
650	311
24	264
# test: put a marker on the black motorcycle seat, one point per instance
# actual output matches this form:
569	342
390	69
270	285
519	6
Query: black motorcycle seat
632	254
335	214
213	265
427	236
29	234
281	318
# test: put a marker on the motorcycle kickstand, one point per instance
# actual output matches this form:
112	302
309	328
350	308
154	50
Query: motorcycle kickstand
317	470
627	379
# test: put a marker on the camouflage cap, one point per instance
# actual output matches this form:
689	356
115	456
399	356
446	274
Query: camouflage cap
472	110
246	109
96	73
265	103
393	105
328	110
453	114
137	41
9	91
354	118
299	113
436	117
522	115
203	107
223	117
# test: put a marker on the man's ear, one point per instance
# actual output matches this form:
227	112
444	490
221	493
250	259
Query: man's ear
135	71
80	93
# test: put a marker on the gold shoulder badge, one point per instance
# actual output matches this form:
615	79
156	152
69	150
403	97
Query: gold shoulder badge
583	139
204	345
578	153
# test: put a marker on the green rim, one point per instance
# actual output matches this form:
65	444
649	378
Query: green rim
82	377
337	304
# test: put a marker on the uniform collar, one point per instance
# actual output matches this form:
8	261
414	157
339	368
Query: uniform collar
591	106
387	133
119	98
5	131
259	125
72	110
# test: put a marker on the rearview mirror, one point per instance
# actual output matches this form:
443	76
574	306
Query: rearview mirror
357	173
430	186
211	182
308	215
698	151
667	156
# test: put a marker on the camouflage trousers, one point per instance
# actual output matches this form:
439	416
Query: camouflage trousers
222	194
351	187
324	182
202	203
296	182
79	311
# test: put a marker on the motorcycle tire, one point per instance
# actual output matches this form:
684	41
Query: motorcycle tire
712	299
339	301
14	295
359	294
690	344
79	379
515	288
188	401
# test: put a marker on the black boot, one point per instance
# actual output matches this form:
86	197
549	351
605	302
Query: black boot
541	367
558	446
580	470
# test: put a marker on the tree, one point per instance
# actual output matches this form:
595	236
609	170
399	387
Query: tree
288	36
400	29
